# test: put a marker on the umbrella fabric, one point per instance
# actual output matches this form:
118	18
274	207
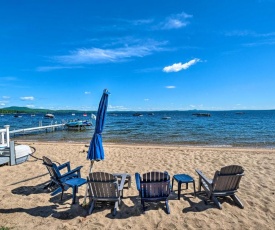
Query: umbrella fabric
96	151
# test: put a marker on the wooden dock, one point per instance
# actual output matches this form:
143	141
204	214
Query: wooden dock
47	128
6	132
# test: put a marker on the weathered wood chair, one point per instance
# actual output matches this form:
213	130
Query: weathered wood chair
105	187
225	183
72	178
154	187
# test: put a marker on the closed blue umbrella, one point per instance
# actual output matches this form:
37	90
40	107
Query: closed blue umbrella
96	151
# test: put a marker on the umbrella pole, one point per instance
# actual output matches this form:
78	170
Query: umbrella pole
91	166
86	193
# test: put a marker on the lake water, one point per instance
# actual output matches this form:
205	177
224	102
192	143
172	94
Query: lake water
222	128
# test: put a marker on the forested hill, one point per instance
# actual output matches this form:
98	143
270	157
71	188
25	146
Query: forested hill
16	109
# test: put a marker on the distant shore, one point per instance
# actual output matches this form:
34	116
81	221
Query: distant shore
24	204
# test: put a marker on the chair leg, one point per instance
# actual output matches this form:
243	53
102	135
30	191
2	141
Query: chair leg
74	193
50	184
179	190
56	191
199	188
215	200
143	205
172	184
167	207
62	194
122	193
115	208
194	186
237	200
92	206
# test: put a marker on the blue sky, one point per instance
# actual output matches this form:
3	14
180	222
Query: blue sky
151	55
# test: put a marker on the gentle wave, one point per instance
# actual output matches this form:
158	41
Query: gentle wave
222	128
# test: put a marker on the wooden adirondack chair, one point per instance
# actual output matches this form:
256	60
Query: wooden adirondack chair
154	187
105	187
55	171
72	178
225	183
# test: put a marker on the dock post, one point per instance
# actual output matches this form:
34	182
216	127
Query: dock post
7	134
2	138
12	153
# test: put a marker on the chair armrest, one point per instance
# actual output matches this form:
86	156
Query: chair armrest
168	176
67	164
122	182
76	170
203	177
137	176
170	186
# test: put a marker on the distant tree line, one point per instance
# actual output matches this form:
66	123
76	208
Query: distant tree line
26	110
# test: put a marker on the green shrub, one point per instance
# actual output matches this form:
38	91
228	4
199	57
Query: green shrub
4	228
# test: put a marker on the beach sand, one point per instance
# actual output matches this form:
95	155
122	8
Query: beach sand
24	204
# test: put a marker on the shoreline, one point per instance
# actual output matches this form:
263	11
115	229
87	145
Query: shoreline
150	145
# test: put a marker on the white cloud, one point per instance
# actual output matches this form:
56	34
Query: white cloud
148	70
176	21
5	101
261	43
30	98
142	22
117	107
146	99
244	33
179	66
50	68
196	106
240	33
87	92
9	78
98	55
30	106
170	87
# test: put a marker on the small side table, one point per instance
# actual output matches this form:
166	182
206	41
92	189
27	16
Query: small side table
128	178
183	178
127	181
75	183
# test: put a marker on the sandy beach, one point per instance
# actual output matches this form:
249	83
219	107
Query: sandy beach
24	204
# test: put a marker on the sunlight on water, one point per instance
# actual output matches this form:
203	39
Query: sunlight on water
223	128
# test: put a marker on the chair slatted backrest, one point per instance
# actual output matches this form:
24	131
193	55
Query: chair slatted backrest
155	184
155	176
228	178
52	168
103	185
